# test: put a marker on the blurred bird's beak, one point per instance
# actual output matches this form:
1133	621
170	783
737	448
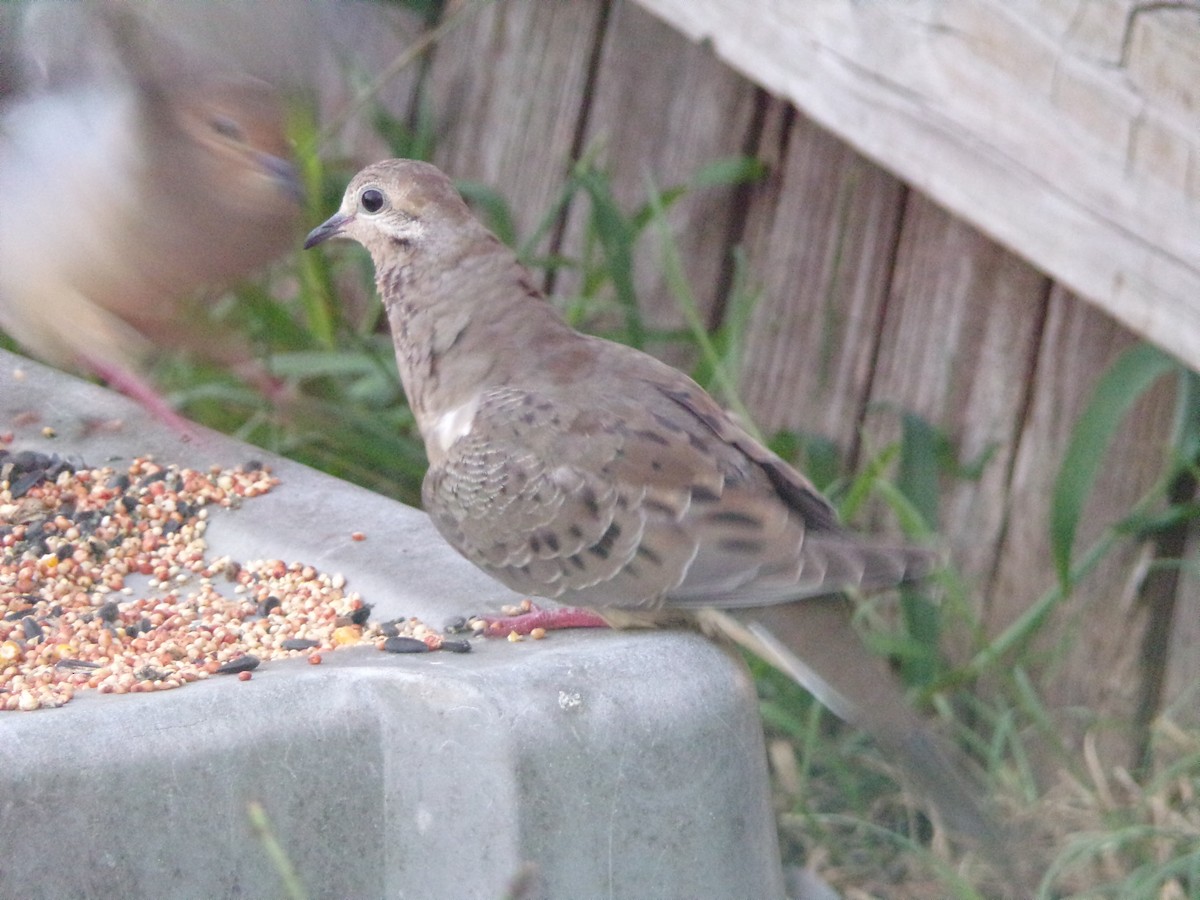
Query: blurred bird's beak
331	227
285	176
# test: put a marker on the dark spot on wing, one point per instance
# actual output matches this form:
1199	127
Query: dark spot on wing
530	288
646	553
667	423
603	547
729	517
814	509
736	545
655	506
653	436
590	503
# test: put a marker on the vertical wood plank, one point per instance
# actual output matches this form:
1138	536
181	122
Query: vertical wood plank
508	88
663	108
959	339
819	244
1182	691
361	40
1092	646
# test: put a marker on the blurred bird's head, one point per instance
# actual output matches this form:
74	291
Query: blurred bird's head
215	135
397	207
236	126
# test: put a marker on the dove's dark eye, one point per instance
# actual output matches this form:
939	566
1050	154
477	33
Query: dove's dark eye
227	127
371	200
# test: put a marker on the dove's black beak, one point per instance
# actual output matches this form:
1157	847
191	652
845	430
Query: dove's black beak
331	227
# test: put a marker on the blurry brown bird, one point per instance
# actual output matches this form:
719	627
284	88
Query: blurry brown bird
577	469
125	194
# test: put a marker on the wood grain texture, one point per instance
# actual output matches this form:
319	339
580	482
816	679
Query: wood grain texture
1090	657
1181	695
363	40
1067	132
508	88
958	343
663	109
819	240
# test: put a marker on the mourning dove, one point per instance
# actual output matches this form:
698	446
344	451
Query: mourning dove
126	192
573	468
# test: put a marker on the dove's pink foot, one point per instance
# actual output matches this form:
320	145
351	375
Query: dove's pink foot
535	617
134	387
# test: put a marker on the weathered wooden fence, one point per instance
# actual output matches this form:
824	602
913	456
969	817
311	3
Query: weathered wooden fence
874	298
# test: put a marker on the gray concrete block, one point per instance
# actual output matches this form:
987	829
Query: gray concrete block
622	765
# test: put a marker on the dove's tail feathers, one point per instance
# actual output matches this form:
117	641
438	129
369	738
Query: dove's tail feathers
827	564
814	642
854	563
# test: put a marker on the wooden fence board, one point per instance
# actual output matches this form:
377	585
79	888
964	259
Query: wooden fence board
362	40
959	339
1095	640
663	108
1182	690
819	242
508	88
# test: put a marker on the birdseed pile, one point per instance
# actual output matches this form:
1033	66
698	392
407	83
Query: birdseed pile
105	584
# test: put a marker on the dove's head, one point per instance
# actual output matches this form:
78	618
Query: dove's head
397	207
238	144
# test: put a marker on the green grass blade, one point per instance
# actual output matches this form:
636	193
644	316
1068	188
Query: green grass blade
917	477
713	360
293	887
616	235
317	295
1187	418
866	482
913	522
1129	378
729	171
494	207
